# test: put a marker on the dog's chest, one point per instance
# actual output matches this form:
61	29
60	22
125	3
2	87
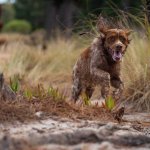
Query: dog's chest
114	69
110	67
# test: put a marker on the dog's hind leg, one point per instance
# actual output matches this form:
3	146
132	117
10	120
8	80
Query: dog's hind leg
89	91
76	89
105	90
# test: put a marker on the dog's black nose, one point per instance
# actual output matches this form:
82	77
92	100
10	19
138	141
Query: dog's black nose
119	47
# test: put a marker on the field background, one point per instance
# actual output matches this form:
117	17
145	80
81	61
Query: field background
41	46
40	41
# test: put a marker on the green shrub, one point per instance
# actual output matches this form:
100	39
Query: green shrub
20	26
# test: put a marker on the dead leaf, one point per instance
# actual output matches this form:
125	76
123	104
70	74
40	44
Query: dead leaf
119	114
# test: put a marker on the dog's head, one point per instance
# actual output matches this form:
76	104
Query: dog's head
115	42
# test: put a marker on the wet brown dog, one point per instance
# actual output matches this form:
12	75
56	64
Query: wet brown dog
100	64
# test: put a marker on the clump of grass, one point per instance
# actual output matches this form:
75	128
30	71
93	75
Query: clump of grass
28	94
138	95
15	84
39	92
109	103
55	94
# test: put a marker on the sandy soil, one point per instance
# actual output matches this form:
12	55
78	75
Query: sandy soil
67	134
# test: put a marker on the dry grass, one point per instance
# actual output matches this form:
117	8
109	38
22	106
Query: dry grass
24	110
136	74
136	59
37	65
15	111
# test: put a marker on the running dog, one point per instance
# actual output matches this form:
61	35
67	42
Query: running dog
100	64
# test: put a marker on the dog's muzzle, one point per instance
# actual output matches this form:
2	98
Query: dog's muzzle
117	55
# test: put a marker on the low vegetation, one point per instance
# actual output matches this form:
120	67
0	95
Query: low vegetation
18	26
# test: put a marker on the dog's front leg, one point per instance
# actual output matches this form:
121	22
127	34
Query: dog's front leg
99	76
102	78
119	87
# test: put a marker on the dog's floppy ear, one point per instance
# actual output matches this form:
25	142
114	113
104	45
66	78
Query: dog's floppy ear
103	30
102	25
128	32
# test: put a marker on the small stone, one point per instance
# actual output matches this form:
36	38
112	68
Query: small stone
39	114
106	146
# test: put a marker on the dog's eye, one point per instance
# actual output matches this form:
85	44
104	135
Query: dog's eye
122	39
111	39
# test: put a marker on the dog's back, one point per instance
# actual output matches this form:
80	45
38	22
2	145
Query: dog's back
81	69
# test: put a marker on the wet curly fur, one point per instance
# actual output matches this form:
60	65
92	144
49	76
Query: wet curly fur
100	64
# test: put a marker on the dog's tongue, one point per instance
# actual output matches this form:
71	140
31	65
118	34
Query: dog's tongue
117	56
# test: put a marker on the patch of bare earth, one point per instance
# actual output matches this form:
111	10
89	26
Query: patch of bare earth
67	134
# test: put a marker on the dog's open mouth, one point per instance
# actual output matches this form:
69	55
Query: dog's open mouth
117	56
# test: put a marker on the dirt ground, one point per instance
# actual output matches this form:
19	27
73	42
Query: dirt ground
72	134
45	124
